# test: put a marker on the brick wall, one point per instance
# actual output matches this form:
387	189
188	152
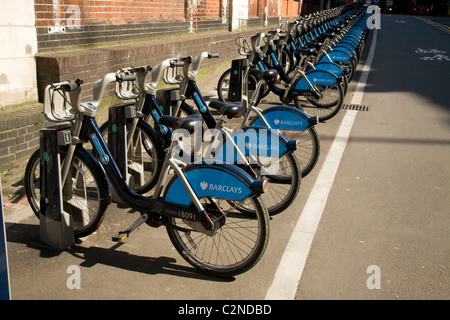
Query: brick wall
68	24
65	24
288	8
92	64
19	135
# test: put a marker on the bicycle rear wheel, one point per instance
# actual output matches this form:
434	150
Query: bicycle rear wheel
236	246
325	107
284	180
85	195
308	150
282	174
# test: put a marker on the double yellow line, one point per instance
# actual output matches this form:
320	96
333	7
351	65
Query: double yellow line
441	26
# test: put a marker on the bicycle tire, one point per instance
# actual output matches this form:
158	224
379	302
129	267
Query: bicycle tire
224	83
144	166
327	106
284	60
276	198
308	151
344	82
351	65
283	186
87	205
287	60
235	248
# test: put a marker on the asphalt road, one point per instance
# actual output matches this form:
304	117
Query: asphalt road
383	233
389	205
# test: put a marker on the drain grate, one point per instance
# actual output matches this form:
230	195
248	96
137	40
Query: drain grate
356	107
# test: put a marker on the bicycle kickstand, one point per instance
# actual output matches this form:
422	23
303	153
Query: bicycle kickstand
122	235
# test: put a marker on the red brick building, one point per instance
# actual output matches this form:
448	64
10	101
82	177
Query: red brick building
85	23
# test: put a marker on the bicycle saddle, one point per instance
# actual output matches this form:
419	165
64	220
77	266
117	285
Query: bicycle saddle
334	29
188	123
268	75
228	109
308	51
316	45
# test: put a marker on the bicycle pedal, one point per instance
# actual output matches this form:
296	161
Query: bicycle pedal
120	236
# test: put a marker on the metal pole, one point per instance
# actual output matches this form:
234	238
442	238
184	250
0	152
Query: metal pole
5	291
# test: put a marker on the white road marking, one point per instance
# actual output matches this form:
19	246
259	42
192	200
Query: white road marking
290	269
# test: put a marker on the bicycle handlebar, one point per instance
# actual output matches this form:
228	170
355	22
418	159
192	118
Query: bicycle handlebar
199	59
62	100
122	77
175	63
70	86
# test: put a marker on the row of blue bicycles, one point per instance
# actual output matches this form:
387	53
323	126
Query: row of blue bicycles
168	154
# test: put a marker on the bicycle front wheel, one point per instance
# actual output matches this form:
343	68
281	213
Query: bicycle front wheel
236	246
144	157
85	194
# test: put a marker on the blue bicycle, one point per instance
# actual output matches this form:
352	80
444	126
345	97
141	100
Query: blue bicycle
200	205
261	151
319	89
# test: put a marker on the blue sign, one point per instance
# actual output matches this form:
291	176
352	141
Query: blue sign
208	183
254	140
316	77
284	118
4	276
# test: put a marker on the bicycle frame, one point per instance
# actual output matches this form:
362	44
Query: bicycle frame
189	89
299	120
86	129
149	106
302	84
293	50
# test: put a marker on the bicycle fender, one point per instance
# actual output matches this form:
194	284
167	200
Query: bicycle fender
337	56
224	181
254	141
316	77
286	118
330	67
347	50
